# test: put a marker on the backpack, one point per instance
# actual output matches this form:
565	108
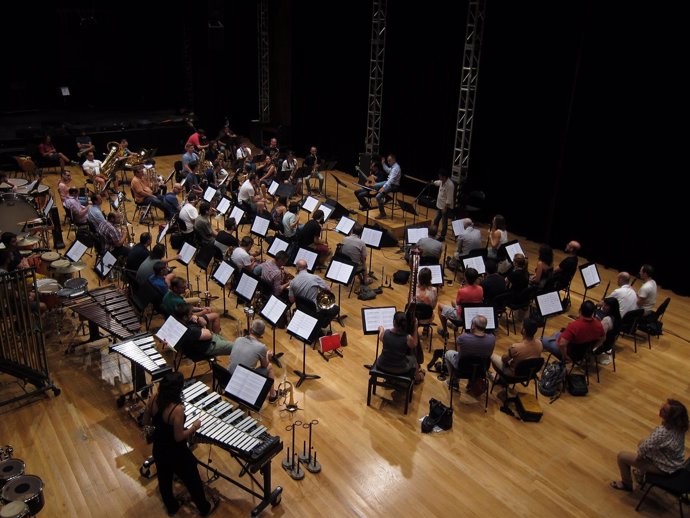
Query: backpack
551	379
439	415
577	385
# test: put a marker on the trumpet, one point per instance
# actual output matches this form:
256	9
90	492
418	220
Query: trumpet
325	299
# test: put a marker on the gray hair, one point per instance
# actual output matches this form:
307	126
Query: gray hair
258	327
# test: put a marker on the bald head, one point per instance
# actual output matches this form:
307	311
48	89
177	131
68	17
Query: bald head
301	265
479	323
623	278
573	247
467	222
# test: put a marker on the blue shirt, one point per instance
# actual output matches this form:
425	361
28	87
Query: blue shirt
394	175
159	284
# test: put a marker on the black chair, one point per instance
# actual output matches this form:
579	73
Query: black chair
141	208
521	301
677	483
472	368
221	376
527	370
580	355
608	347
379	378
425	319
194	357
651	324
149	296
630	322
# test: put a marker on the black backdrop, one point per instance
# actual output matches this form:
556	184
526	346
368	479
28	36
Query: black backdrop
575	124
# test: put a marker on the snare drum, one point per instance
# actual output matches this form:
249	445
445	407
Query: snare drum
78	284
62	277
15	509
9	469
27	489
48	293
46	260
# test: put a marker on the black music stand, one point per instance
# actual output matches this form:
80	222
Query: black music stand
105	265
341	272
549	304
372	238
286	190
590	277
248	387
221	275
338	183
170	179
304	329
272	312
408	207
345	225
300	175
308	255
187	254
311	206
259	229
372	318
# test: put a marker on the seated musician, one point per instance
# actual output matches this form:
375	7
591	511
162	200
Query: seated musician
188	213
249	350
307	286
9	239
244	156
51	155
139	253
544	268
143	194
146	268
476	343
248	196
288	166
84	144
204	234
227	237
291	220
178	286
493	284
95	215
165	413
426	293
77	212
470	239
355	250
115	238
198	340
192	183
584	330
197	139
64	185
430	247
392	169
517	279
273	149
171	197
469	292
398	350
158	278
526	349
5	259
376	179
309	236
243	258
277	212
272	271
268	174
92	169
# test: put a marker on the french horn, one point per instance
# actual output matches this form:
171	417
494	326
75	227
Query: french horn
325	299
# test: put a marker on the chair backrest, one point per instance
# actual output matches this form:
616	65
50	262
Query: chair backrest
423	311
629	321
472	367
26	164
149	294
305	305
659	313
577	352
528	369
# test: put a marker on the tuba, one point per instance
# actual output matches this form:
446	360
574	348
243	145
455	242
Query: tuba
325	299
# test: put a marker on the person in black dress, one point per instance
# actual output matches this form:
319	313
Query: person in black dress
398	351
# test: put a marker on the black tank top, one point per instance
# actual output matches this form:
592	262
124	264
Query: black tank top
164	434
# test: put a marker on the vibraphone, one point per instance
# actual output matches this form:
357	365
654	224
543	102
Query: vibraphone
226	425
108	309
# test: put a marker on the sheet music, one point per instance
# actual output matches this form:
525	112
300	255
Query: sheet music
375	317
223	205
345	225
458	227
106	264
246	385
415	234
260	226
247	286
48	206
237	213
273	188
486	311
76	251
223	273
327	211
277	246
339	272
436	273
209	194
549	303
590	275
310	204
475	262
308	256
372	237
171	331
163	232
302	324
273	309
513	249
187	253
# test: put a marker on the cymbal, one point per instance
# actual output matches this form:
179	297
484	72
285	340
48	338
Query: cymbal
28	240
72	268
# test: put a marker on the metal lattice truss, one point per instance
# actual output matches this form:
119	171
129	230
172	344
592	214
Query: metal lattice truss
474	32
378	48
264	83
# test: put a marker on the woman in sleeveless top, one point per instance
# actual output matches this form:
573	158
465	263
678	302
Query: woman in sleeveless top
398	351
544	268
426	293
498	235
173	457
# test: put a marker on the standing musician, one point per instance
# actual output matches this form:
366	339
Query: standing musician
165	413
444	201
376	179
143	193
115	238
189	156
398	351
197	139
312	163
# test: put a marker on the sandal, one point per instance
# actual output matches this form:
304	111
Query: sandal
620	486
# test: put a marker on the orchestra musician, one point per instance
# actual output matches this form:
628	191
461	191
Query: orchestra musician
197	139
204	233
84	144
392	168
249	350
115	238
376	179
312	162
273	272
248	194
50	154
144	195
398	350
6	259
287	169
174	297
272	150
307	286
444	201
64	184
92	169
189	156
198	339
77	212
269	174
356	251
309	236
193	182
244	157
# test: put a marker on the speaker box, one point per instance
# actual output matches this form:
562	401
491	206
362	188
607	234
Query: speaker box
339	210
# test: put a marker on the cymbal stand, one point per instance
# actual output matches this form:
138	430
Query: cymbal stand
313	465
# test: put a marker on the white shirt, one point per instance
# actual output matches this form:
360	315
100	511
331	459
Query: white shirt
648	292
92	166
445	194
288	165
627	298
188	214
243	152
246	192
241	257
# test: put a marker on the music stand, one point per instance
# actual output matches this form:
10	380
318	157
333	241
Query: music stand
273	188
372	318
76	251
223	206
341	272
408	207
285	190
345	225
238	214
272	312
458	226
338	183
301	173
473	263
169	178
509	249
209	193
221	275
248	387
366	187
372	238
105	265
245	289
303	327
278	245
549	304
186	255
590	277
259	228
308	255
476	262
163	233
309	205
470	311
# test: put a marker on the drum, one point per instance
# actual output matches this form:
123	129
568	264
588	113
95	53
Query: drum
9	469
18	182
41	196
15	211
46	260
78	284
15	509
48	293
27	489
62	277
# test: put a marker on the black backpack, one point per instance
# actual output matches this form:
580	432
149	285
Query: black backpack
577	385
552	379
439	415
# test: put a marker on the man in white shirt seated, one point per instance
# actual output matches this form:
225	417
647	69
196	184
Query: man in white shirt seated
248	196
242	257
626	296
92	169
188	213
646	296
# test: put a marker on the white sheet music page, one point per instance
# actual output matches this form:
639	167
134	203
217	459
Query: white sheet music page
171	331
375	317
209	194
327	211
486	311
223	205
372	237
246	286
308	256
513	249
436	273
590	275
273	309
458	227
549	303
475	262
345	225
245	385
106	264
237	213
76	251
278	245
273	188
310	204
415	234
302	324
223	273
339	272
260	225
187	253
163	232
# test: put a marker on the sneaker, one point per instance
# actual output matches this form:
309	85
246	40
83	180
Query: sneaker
604	359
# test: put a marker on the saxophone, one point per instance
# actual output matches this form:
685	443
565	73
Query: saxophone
411	307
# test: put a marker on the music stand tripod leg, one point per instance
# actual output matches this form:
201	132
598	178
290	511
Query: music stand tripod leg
340	316
276	356
303	373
